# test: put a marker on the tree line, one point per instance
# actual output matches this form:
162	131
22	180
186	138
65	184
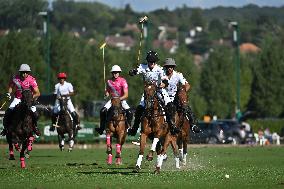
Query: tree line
213	82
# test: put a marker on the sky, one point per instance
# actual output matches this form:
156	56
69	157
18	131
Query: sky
149	5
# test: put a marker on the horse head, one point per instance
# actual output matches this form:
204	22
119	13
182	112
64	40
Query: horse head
150	97
116	106
181	97
63	103
27	99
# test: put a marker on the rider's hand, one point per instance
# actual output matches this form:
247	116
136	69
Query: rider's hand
162	85
8	96
133	72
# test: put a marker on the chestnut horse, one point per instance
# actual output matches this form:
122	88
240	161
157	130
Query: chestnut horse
153	126
116	127
64	125
182	104
20	130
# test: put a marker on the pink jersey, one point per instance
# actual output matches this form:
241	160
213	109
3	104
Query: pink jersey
117	87
28	83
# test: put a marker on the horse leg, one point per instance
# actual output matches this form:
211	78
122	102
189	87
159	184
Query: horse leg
180	146
61	142
22	155
152	150
11	148
109	149
175	151
184	150
143	138
119	148
71	141
30	143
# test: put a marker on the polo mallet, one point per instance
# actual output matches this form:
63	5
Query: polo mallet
56	123
103	50
3	104
141	21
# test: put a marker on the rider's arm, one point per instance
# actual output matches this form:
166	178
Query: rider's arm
36	93
187	86
125	95
125	90
10	90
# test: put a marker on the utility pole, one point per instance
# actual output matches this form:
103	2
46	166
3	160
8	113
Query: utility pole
46	32
236	39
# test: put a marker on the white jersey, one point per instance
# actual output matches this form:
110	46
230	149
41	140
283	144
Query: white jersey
155	75
64	89
174	80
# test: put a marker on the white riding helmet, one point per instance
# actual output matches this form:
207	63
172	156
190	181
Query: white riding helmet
115	68
24	68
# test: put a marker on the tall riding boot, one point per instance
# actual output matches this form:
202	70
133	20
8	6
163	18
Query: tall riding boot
6	121
138	115
103	118
35	119
170	110
129	117
53	119
192	120
76	122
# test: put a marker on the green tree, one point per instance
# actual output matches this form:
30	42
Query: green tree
217	83
267	87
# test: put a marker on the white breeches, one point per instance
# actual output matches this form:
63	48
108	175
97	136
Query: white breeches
162	95
123	103
16	101
70	106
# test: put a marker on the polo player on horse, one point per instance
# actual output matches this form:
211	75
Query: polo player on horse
174	79
155	74
64	88
116	87
18	83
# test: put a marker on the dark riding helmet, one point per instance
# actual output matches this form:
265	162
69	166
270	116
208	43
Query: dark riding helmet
152	56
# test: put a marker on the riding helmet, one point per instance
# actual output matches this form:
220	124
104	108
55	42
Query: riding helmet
24	68
61	75
170	62
115	68
152	56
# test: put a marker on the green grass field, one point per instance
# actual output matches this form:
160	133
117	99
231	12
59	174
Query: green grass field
247	167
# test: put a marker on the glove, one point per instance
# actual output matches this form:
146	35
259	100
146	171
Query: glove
8	96
133	72
166	82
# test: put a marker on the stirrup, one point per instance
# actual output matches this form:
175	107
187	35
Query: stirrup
132	131
195	129
52	128
99	130
3	132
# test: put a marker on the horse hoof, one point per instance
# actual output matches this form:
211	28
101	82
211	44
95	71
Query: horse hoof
157	171
118	161
149	158
165	157
12	157
137	169
23	165
27	155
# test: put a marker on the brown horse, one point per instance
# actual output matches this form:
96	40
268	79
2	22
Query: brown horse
64	125
182	104
153	126
20	130
116	127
